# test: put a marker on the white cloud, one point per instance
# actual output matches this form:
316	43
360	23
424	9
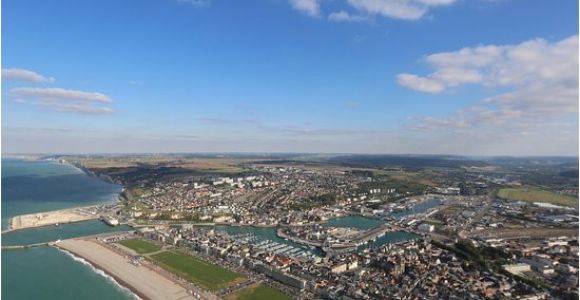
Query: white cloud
309	7
530	62
58	93
457	76
24	75
420	83
398	9
58	99
436	2
343	16
538	81
367	9
82	109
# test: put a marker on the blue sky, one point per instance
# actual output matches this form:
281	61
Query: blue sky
340	76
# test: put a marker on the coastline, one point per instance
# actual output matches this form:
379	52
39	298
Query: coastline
95	269
109	197
90	173
70	214
142	281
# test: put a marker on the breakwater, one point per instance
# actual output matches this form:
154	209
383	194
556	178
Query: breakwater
22	247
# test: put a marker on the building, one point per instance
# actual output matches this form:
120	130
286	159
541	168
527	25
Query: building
343	267
540	265
468	214
426	227
518	268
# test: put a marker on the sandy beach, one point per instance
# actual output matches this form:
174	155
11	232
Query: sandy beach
143	281
53	217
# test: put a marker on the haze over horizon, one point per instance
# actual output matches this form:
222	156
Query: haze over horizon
307	76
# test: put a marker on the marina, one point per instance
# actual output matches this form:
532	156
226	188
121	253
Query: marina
273	246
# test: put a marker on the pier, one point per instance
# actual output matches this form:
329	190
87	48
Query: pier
28	246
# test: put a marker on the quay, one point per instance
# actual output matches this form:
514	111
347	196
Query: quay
63	216
364	237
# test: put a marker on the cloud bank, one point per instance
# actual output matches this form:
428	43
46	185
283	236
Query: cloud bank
63	100
24	75
529	63
534	87
398	9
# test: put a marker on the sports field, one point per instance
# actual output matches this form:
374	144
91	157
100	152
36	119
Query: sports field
258	292
140	246
537	195
210	276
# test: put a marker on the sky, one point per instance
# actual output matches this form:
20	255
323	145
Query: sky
466	77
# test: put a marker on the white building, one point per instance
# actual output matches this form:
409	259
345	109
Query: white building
426	227
518	268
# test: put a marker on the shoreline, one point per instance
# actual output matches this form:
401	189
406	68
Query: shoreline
95	269
141	280
69	215
90	173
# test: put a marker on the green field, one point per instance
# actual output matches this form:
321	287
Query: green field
537	195
208	275
258	292
140	246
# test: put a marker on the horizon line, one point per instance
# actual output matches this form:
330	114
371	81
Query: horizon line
284	153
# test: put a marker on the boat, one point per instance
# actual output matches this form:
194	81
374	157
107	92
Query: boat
111	221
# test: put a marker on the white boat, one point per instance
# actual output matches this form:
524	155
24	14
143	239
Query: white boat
111	221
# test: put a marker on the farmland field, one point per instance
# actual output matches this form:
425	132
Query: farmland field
537	195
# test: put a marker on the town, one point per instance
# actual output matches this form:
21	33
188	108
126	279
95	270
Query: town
312	231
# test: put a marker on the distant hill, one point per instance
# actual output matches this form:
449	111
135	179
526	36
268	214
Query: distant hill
409	161
533	160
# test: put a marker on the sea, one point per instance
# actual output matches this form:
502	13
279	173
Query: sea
46	273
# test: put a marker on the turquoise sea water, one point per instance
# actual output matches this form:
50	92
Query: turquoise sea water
47	273
32	186
44	272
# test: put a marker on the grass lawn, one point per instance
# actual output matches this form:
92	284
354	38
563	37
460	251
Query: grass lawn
258	292
140	246
537	195
208	275
432	222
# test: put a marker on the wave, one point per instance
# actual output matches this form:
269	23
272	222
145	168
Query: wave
100	272
71	165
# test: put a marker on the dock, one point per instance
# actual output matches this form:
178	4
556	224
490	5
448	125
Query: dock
63	216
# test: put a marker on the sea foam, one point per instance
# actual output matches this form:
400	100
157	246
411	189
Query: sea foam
100	272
